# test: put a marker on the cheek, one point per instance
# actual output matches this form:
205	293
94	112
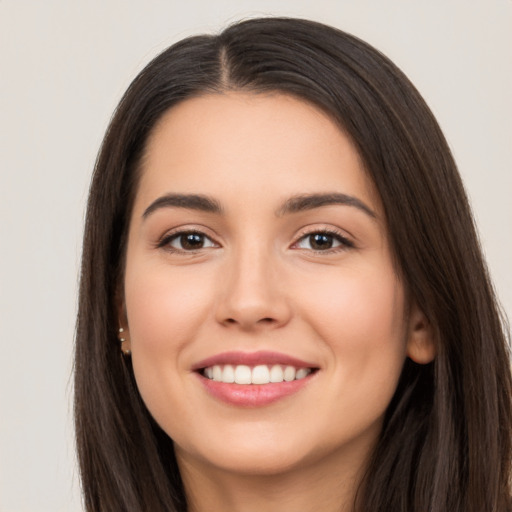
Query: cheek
361	316
164	309
362	322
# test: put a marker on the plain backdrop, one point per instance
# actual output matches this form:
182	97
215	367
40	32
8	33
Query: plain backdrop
63	67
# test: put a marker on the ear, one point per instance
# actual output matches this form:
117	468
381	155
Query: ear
123	330
124	338
420	341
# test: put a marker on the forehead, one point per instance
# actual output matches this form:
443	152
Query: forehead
244	143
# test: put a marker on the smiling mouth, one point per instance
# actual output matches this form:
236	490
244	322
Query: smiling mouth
257	375
256	379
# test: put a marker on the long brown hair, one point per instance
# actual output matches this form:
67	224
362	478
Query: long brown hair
446	440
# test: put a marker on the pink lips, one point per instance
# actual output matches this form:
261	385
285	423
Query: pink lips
251	395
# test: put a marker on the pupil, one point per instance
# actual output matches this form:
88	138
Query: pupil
321	241
191	241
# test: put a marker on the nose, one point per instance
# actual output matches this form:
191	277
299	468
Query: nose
253	297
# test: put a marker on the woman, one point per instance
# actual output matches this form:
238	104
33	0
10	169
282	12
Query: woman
283	302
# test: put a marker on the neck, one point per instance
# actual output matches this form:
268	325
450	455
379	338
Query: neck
329	488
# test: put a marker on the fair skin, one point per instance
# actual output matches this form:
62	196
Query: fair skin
259	270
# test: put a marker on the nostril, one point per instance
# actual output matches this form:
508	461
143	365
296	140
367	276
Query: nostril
267	320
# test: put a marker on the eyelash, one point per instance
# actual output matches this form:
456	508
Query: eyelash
169	238
344	242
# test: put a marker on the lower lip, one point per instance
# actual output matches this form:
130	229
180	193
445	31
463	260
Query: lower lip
253	395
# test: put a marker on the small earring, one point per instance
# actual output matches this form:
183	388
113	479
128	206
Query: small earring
125	350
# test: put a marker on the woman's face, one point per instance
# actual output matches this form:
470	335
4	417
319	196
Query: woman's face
258	252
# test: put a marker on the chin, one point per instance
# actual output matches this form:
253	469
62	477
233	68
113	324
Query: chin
249	462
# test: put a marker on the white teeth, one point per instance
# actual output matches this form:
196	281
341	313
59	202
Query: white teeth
276	374
261	374
289	373
301	373
217	373
228	374
243	374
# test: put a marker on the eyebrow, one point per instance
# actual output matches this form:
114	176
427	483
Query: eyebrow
295	204
187	201
310	201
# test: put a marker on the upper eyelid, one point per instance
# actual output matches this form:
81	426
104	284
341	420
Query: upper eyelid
332	230
192	228
341	238
176	232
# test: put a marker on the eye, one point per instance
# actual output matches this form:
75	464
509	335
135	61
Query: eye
187	241
323	241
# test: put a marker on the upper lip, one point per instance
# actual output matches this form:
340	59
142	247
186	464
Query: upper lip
252	359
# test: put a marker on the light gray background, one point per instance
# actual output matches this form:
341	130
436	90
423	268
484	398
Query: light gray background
64	65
